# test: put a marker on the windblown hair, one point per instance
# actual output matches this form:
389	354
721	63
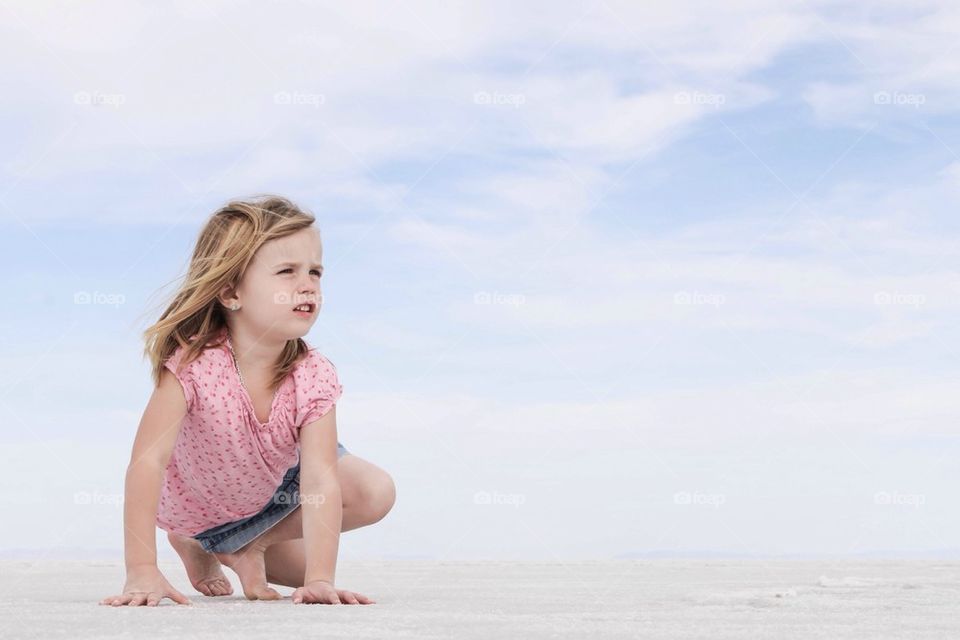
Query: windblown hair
225	247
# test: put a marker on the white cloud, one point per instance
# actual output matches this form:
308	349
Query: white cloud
189	101
864	264
901	66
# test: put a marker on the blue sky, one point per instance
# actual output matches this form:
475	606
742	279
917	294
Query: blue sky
649	278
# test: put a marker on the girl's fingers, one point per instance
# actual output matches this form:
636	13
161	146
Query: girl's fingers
359	598
149	598
122	599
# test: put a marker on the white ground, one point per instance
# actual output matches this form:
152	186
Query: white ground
421	599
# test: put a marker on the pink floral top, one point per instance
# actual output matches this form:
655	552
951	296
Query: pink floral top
226	464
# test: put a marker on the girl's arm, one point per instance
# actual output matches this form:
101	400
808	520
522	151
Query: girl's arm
156	436
320	497
152	447
322	514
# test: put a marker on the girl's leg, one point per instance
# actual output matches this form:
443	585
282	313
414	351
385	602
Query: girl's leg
203	569
368	494
249	563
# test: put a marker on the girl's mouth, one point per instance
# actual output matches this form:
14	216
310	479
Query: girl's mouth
305	310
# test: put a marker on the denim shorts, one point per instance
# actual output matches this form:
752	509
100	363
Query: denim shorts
228	537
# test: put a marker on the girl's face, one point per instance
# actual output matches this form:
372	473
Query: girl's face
283	275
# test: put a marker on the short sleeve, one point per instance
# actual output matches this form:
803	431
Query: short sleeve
318	390
184	375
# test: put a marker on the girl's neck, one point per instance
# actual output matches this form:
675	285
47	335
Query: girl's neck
255	354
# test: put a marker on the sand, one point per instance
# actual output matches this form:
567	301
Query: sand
433	599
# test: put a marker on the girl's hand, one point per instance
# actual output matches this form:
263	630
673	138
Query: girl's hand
322	592
145	585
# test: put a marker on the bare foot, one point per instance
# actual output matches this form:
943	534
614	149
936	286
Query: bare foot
249	564
203	568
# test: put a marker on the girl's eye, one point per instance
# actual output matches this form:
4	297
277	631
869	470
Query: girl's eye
316	271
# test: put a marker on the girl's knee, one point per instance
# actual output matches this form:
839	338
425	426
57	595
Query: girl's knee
381	495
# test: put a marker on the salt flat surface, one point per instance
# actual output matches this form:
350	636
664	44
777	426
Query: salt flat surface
433	599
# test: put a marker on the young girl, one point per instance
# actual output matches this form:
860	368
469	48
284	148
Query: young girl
236	455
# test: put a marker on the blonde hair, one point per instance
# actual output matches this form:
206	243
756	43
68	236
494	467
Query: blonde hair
225	247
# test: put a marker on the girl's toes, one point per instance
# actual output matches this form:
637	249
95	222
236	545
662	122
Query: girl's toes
265	593
271	594
214	587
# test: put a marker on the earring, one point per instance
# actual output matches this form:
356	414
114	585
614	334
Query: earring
234	306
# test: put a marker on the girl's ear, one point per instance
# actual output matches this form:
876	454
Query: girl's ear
228	297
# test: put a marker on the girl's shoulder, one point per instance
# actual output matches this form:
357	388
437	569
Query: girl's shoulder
313	361
316	386
212	353
207	365
314	373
